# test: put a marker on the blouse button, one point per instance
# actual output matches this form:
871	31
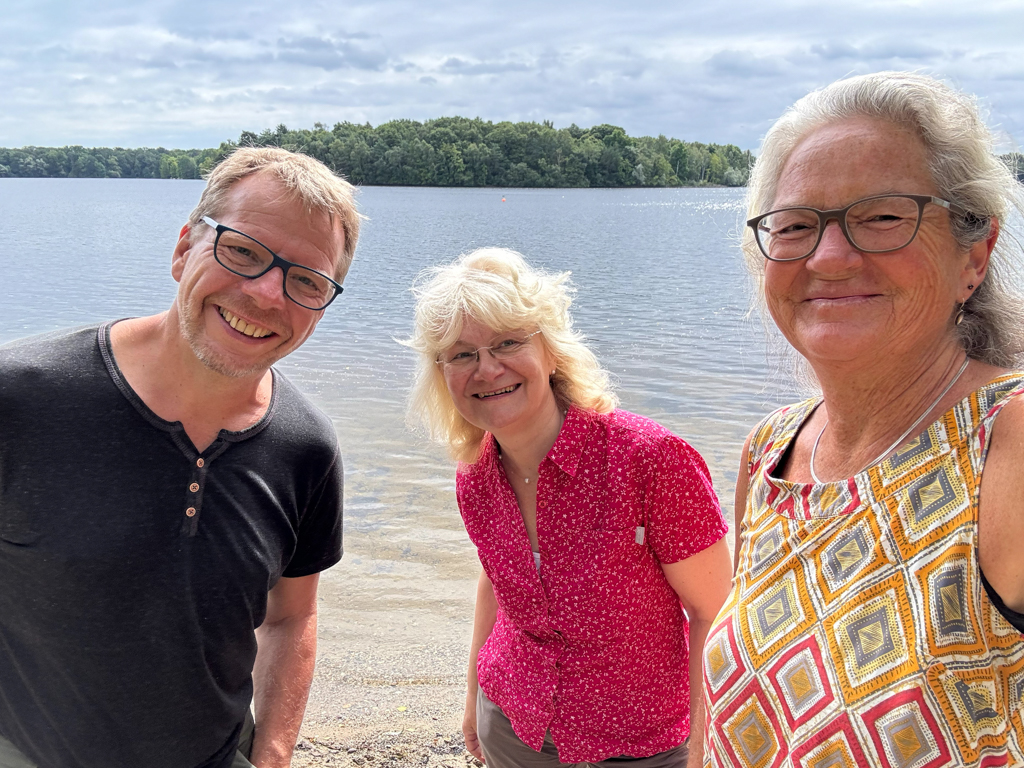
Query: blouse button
542	504
194	487
190	512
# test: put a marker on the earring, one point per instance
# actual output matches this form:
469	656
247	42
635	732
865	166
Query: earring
552	372
959	317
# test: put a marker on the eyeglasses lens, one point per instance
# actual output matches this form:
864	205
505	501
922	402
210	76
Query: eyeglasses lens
309	288
883	224
244	256
878	225
502	349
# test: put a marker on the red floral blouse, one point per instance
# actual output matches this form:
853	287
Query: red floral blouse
594	646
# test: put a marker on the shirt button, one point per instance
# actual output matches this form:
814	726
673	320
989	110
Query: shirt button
190	512
199	462
194	487
542	504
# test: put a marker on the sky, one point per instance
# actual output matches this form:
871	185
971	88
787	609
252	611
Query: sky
191	73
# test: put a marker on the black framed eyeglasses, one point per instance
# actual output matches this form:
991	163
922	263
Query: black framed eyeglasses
877	224
243	255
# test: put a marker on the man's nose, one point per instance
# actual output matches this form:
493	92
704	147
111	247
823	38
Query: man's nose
267	290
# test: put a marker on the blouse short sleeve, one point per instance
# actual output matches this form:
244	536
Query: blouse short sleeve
683	513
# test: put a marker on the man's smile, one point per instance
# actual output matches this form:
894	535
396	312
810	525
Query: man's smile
242	326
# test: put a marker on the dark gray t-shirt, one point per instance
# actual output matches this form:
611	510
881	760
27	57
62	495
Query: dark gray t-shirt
133	569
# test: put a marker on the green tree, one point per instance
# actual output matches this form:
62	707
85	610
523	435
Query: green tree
169	167
450	170
187	168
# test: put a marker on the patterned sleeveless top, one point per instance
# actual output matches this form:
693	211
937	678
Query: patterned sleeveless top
858	632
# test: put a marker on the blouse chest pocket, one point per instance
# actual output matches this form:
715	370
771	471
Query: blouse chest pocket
604	583
612	558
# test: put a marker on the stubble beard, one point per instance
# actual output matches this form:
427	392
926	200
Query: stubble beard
192	330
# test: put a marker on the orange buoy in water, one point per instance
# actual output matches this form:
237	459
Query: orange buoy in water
503	199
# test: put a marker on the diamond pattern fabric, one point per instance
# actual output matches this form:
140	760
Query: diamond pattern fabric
858	632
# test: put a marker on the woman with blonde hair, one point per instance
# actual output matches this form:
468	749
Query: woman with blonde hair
595	527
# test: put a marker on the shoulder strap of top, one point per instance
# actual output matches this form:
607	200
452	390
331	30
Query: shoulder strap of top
775	431
986	405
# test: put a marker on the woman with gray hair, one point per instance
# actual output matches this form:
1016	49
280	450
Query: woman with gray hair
596	528
875	617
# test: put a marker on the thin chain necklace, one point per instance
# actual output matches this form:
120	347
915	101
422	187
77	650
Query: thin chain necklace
501	457
901	438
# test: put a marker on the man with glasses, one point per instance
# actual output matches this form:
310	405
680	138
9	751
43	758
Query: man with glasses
167	500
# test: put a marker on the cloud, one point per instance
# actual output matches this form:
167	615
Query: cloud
877	50
327	54
190	73
457	66
834	51
743	64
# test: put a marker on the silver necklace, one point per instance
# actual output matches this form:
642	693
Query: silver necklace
501	456
901	438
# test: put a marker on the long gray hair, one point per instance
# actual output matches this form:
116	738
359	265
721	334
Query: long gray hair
964	168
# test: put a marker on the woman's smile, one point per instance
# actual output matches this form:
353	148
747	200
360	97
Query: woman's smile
497	392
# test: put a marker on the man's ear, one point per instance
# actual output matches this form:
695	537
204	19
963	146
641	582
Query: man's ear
181	252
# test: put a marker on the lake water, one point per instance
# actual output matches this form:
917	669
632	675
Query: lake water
662	295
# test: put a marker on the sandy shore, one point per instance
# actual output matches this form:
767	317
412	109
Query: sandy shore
393	641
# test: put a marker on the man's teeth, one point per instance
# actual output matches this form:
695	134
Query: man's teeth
242	326
497	391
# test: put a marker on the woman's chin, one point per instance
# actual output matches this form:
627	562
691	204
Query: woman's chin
495	417
839	342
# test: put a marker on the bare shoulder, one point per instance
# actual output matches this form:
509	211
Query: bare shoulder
1001	506
742	477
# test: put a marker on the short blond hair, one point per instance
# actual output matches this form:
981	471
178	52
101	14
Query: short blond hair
496	287
312	182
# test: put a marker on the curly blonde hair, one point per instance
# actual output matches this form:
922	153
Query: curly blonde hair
496	287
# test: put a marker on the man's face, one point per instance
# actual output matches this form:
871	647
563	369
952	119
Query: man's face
238	326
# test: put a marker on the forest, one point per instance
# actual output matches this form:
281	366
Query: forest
446	152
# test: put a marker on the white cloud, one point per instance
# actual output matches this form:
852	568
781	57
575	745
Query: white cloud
161	72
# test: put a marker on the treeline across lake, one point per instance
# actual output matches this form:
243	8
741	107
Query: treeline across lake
447	152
